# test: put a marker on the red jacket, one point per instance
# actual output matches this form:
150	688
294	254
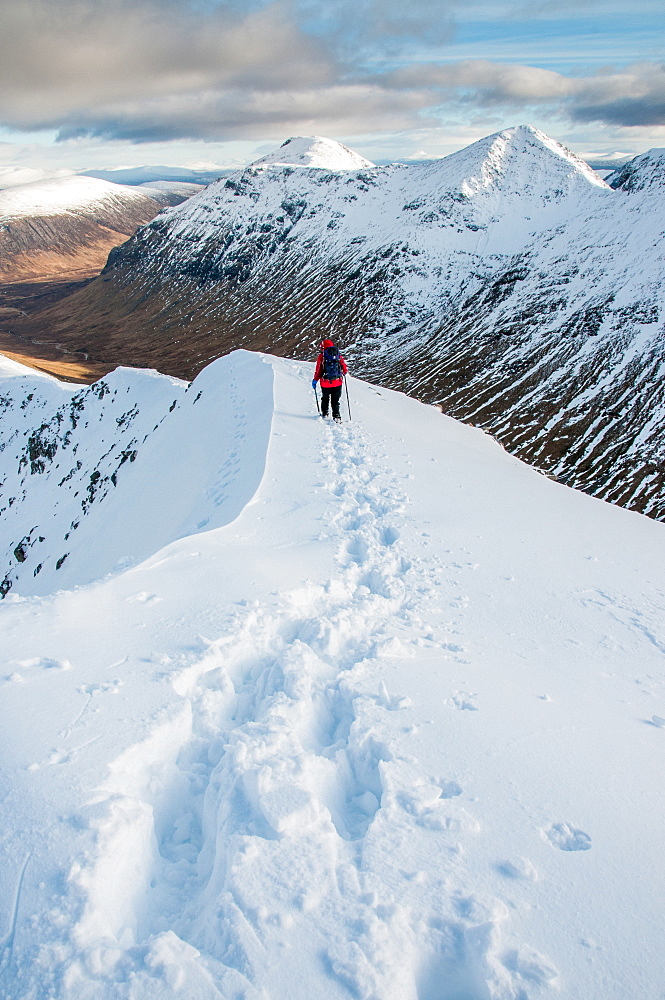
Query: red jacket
328	383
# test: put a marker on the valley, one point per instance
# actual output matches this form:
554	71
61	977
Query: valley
28	299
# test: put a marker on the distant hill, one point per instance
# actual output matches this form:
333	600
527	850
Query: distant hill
67	226
147	175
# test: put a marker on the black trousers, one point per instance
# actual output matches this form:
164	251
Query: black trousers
333	394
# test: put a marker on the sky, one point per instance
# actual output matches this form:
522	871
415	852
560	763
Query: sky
88	84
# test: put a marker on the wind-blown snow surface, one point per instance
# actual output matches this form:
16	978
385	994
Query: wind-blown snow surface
362	711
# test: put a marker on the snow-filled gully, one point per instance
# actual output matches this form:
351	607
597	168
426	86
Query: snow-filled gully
260	812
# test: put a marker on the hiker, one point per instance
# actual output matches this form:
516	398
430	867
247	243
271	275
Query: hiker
330	370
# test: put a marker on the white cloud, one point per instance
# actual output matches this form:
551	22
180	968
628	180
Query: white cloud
158	71
635	96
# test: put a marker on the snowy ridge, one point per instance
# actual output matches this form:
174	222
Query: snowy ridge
75	502
464	189
380	729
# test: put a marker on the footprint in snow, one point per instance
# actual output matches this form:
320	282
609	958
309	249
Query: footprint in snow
393	703
568	838
449	789
518	868
462	702
143	597
426	803
389	536
531	966
45	663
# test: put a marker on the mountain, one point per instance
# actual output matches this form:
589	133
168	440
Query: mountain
315	152
169	192
68	225
643	173
506	282
295	711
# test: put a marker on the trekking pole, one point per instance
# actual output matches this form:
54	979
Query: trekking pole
316	397
347	397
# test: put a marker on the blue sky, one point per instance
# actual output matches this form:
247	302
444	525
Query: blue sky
104	83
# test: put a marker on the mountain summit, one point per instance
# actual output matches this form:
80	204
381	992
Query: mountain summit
521	161
315	151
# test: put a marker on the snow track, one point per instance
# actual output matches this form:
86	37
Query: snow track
263	811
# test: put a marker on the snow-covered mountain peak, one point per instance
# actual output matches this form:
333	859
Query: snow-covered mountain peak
646	171
524	137
315	151
520	161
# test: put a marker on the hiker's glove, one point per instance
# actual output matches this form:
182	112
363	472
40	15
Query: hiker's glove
313	383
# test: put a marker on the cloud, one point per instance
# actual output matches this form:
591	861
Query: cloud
69	57
159	70
162	70
633	97
224	115
356	27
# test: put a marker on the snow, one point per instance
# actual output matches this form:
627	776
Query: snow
12	176
465	211
644	172
513	161
62	195
371	710
315	151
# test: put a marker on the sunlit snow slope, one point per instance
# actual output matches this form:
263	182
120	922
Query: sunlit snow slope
316	711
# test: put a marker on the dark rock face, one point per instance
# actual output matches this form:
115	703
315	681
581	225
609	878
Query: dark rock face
505	282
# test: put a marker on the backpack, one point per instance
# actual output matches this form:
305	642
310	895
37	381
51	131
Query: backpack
332	366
